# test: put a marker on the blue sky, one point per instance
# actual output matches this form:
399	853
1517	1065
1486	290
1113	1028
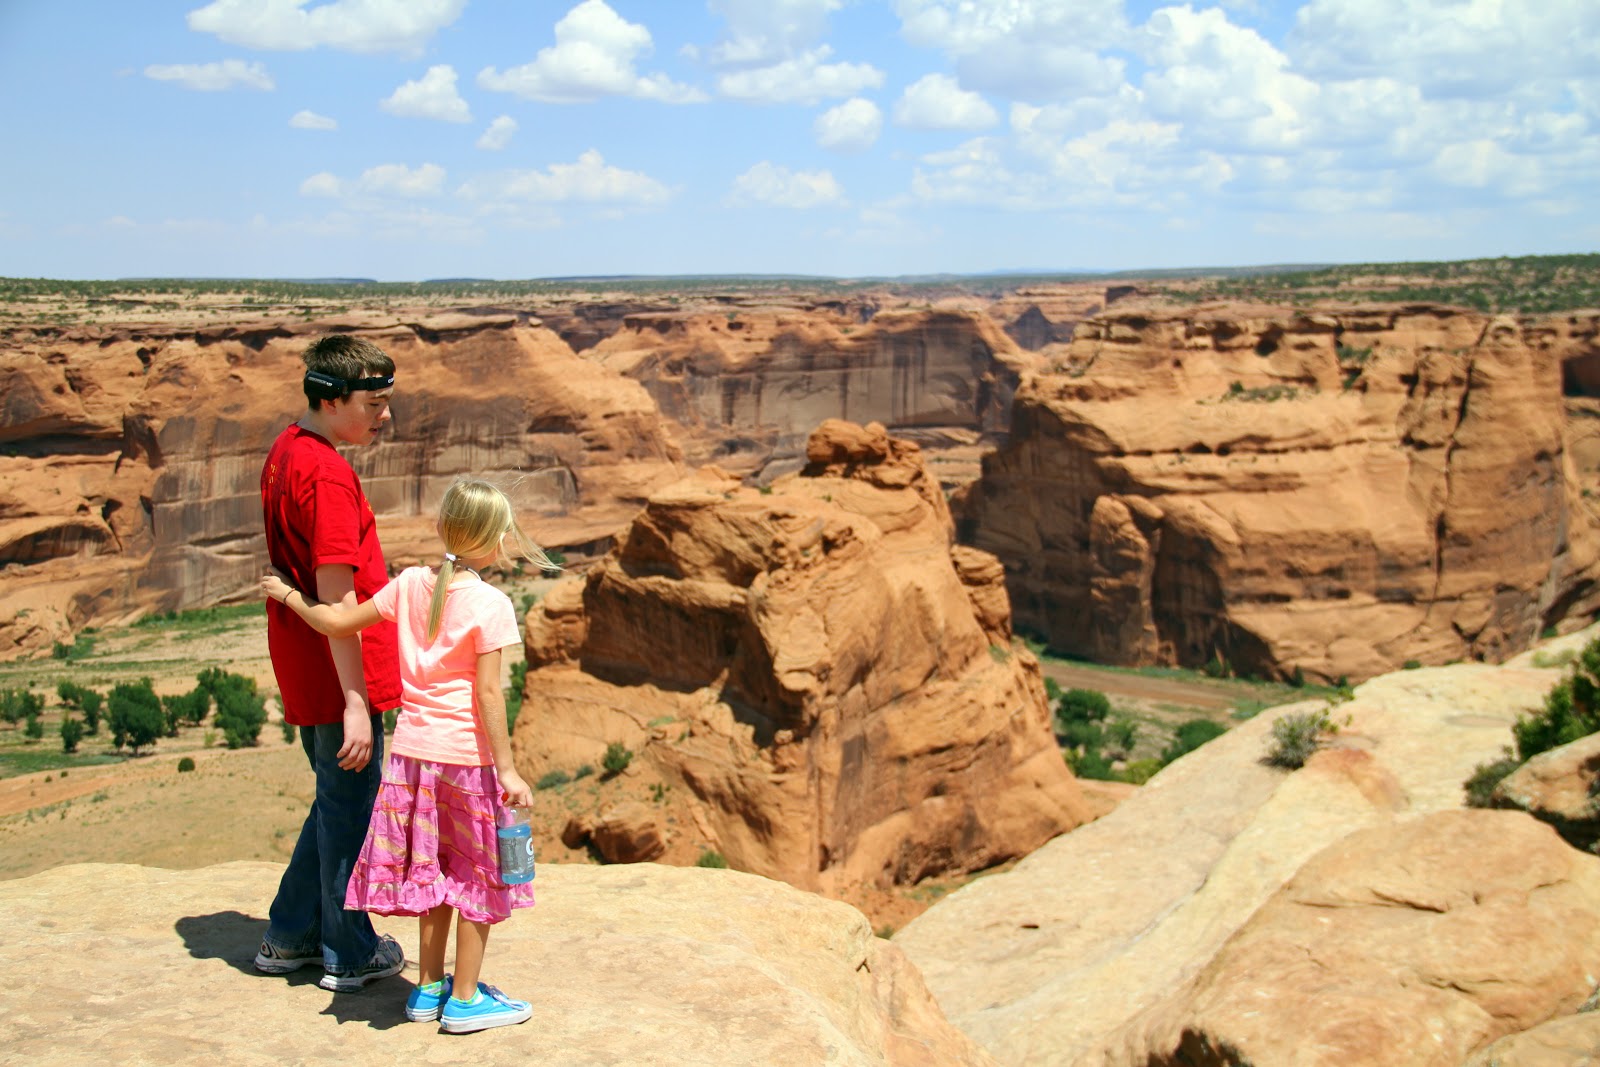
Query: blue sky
408	139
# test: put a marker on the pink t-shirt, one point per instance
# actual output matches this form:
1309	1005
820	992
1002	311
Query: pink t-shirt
437	677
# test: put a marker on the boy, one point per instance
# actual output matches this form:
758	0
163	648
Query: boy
321	532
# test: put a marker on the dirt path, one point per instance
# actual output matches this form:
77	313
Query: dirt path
1114	684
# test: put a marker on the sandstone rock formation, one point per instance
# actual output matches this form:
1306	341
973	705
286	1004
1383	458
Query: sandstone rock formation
637	965
1339	491
625	833
1049	962
131	458
1414	943
748	384
1559	787
812	663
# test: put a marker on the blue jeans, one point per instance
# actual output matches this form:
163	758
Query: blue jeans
308	911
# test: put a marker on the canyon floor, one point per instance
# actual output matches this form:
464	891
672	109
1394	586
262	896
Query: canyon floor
247	804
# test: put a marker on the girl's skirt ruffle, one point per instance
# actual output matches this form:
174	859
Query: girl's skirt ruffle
432	841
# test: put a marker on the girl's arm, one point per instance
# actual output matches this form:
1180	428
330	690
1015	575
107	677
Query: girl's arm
334	620
491	705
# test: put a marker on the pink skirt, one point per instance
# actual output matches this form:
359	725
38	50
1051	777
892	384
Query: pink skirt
432	841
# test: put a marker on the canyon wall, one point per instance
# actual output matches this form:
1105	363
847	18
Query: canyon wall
745	385
130	459
1337	492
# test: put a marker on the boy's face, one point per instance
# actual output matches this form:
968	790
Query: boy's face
357	419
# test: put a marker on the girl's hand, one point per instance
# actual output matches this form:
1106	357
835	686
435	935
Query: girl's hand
273	587
514	790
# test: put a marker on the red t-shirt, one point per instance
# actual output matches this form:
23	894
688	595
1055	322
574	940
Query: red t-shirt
316	514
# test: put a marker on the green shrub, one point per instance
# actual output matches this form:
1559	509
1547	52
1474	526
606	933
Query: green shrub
1571	708
1296	736
711	858
583	771
519	677
241	711
1120	736
1083	705
1190	736
288	731
1091	764
616	759
552	779
135	714
71	734
1480	785
33	730
390	717
19	704
1141	771
185	765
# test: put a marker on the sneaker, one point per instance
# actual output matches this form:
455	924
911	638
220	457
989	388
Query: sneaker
488	1007
271	959
388	958
423	1007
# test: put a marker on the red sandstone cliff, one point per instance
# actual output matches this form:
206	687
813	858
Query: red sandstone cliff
1339	491
131	458
746	384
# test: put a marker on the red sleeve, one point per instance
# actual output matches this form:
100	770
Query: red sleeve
336	522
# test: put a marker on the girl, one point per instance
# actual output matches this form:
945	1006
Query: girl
431	847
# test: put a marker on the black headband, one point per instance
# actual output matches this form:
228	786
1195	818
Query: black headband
327	387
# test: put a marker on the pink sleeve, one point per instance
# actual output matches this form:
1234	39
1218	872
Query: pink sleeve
387	599
498	628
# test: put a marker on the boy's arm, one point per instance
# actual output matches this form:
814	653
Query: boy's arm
491	707
336	584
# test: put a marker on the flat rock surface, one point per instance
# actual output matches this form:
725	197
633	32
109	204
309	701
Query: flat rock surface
118	964
1043	963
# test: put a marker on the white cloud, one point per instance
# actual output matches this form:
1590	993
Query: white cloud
853	126
310	120
767	183
593	57
499	133
349	25
432	96
1468	48
589	180
936	102
322	184
1022	49
385	181
803	79
764	32
213	77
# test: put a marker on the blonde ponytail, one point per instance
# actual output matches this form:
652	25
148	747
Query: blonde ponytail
441	589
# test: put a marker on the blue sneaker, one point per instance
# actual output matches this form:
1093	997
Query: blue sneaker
423	1007
388	958
488	1007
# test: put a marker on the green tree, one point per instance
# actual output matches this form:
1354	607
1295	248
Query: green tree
92	702
135	714
241	711
19	704
71	734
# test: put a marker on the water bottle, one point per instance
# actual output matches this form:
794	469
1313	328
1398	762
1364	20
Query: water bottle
516	846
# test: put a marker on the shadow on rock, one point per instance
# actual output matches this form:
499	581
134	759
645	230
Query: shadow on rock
234	938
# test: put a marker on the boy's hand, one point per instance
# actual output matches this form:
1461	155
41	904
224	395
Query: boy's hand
356	751
516	791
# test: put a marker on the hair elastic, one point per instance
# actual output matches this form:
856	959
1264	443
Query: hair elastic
451	556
